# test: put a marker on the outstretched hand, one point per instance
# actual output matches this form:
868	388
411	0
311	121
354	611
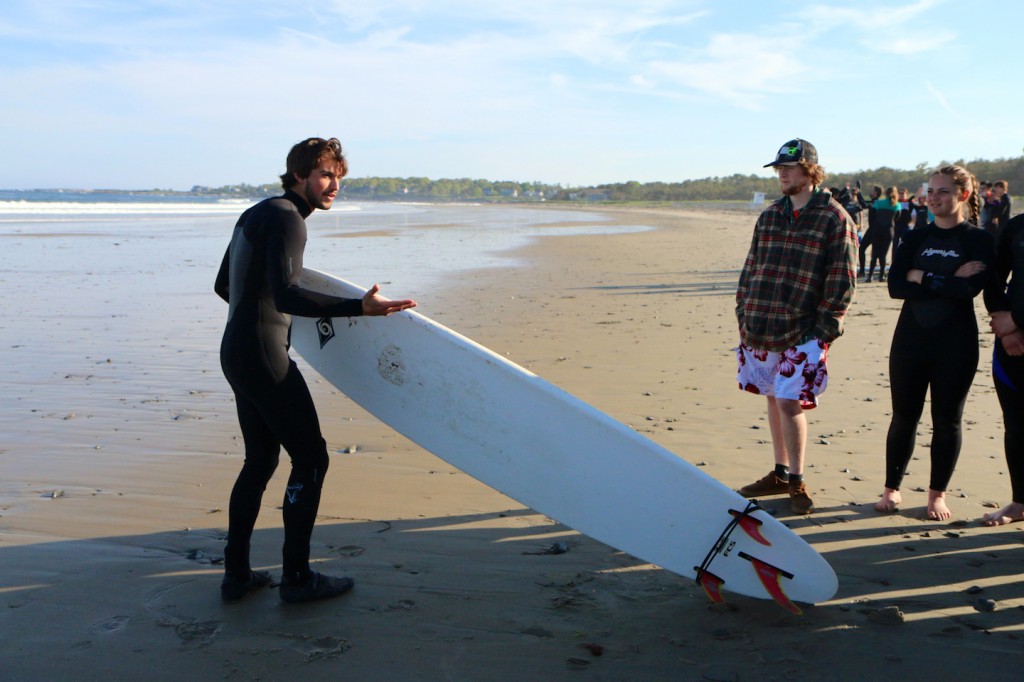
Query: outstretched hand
375	304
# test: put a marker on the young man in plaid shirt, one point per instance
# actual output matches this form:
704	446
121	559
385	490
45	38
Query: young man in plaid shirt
795	288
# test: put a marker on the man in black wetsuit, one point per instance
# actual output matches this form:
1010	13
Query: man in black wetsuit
260	279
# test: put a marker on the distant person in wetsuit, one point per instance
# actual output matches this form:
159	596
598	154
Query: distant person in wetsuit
919	217
260	278
867	239
883	214
902	222
998	208
986	199
1005	302
852	200
937	271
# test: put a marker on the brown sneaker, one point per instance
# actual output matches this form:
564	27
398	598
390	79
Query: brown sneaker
799	501
769	485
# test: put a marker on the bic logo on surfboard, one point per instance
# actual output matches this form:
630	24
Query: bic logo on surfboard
325	329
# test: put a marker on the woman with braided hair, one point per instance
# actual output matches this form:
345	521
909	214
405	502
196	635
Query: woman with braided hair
937	271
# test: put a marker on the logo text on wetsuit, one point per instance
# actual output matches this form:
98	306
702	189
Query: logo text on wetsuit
940	252
325	329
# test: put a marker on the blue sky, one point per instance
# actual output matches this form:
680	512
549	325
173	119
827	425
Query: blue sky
161	93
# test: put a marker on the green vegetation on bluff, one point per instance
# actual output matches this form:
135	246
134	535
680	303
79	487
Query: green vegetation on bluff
731	188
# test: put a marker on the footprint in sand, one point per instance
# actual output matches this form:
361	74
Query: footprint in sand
114	624
349	550
202	631
315	648
327	647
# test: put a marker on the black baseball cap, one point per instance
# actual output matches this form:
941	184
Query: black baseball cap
795	151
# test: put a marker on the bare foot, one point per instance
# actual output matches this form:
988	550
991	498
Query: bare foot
890	501
1008	514
937	509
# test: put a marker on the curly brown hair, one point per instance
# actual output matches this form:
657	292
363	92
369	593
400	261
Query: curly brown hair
307	155
815	172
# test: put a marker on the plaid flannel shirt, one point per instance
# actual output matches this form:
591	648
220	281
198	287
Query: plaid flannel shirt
798	280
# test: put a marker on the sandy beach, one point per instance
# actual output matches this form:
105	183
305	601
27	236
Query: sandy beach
110	550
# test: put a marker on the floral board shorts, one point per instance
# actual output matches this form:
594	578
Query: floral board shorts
797	373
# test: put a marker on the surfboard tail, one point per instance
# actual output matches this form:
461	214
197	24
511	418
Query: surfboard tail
711	583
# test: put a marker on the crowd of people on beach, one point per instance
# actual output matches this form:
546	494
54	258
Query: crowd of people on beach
892	211
952	241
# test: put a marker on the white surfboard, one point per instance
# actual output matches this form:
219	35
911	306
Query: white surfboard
532	441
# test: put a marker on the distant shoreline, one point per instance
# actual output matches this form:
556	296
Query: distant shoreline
69	194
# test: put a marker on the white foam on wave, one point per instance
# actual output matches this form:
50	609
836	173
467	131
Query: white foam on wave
60	208
57	210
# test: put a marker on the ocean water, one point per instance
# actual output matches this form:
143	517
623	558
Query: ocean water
414	247
111	324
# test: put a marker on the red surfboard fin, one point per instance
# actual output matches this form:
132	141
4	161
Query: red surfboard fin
771	577
750	526
712	585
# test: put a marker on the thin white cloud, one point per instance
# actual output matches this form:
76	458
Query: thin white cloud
916	44
742	69
883	28
861	16
943	101
641	81
793	55
491	89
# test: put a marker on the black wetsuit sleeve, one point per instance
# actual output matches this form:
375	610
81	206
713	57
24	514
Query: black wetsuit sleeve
285	245
1009	266
902	261
221	285
1003	216
1015	254
995	291
977	244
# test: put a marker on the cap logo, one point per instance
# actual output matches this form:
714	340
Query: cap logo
795	151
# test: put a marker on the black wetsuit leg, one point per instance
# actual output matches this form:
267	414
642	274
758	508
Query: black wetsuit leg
262	450
1008	373
944	359
274	413
950	383
881	241
908	386
865	242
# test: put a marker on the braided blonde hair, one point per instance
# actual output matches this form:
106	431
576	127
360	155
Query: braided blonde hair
965	181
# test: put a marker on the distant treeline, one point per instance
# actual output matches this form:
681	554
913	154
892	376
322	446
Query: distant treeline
732	188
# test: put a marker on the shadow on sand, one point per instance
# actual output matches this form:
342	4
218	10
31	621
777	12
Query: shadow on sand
458	597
